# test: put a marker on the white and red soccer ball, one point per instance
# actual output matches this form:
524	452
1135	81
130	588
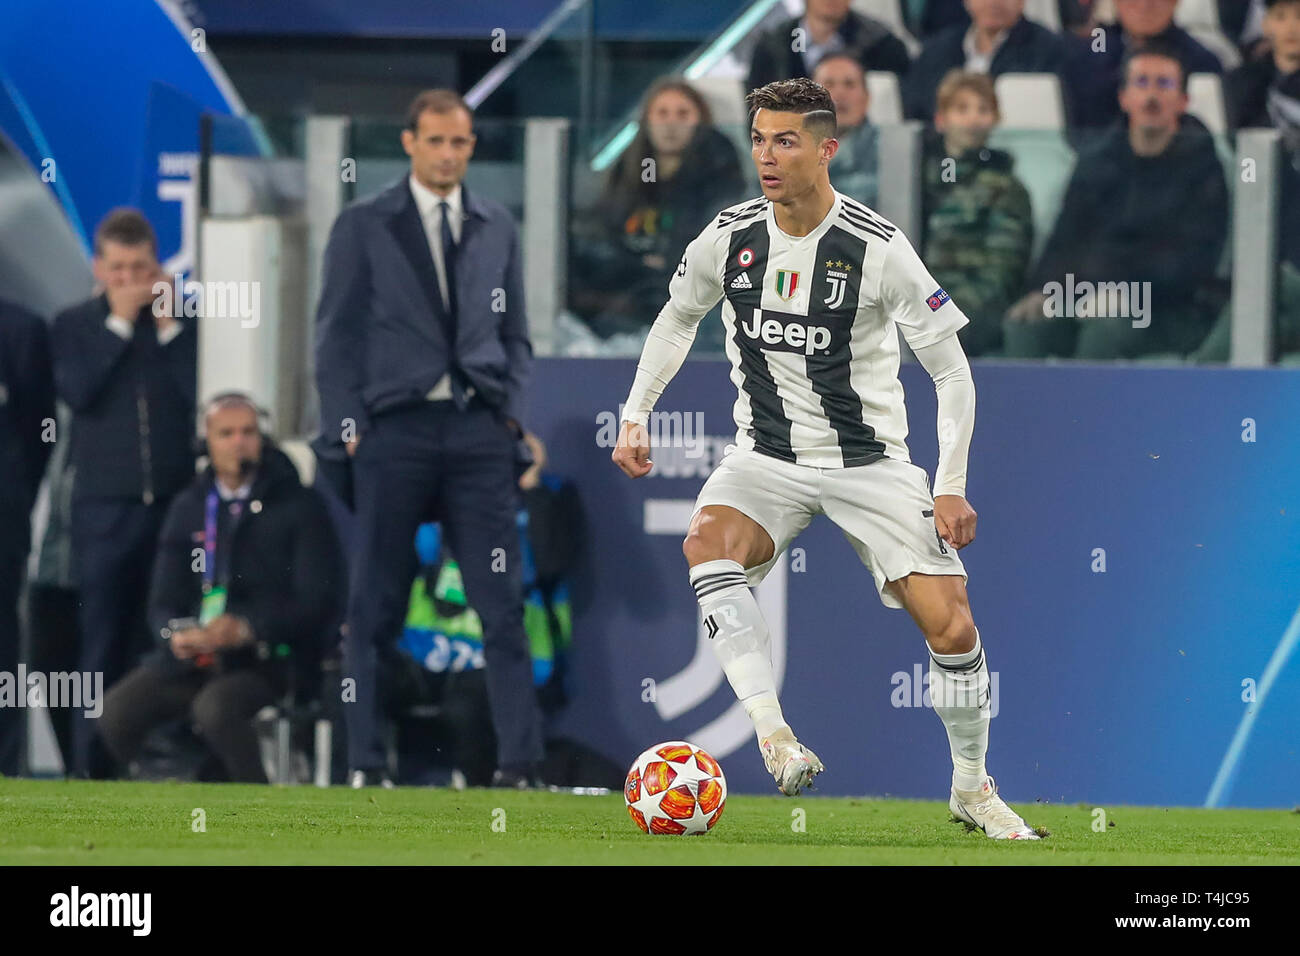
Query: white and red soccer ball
675	788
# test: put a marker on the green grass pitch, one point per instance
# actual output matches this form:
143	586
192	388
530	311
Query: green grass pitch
82	823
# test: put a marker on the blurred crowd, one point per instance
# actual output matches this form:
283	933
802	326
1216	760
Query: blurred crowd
1146	206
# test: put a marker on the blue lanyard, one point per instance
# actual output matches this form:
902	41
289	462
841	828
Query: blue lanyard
210	506
210	537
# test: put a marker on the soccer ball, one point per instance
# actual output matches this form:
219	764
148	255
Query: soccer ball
675	788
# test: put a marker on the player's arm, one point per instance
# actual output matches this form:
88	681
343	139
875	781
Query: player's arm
930	320
695	288
945	361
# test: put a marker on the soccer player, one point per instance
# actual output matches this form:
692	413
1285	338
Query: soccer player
814	285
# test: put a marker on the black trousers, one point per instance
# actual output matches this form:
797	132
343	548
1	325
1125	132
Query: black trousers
434	462
114	541
222	707
13	736
55	641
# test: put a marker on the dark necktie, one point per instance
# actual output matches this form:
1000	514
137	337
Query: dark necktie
451	326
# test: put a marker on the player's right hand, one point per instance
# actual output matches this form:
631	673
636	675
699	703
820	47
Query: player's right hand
632	453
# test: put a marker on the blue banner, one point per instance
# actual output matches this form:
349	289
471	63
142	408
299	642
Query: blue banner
1136	569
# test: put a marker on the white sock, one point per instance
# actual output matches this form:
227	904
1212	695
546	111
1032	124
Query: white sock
739	638
959	689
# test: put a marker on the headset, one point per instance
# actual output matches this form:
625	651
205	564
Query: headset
230	399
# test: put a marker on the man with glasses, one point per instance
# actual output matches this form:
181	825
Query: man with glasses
1130	264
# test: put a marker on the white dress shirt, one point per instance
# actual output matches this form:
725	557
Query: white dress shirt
978	62
429	204
125	328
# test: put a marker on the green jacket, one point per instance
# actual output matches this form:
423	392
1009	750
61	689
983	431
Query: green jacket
978	235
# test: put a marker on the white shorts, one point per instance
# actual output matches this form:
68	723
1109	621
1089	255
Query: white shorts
885	510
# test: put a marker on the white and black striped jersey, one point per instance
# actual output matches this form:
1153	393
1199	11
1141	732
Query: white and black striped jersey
810	328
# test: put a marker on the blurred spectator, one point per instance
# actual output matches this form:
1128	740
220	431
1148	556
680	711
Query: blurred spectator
422	355
978	224
247	625
674	176
52	602
26	440
795	47
925	18
1148	203
1265	91
998	40
1094	64
127	371
856	167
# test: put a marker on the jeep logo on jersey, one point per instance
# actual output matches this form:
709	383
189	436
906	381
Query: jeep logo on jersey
779	332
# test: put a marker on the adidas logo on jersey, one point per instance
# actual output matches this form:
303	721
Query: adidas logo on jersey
790	336
742	282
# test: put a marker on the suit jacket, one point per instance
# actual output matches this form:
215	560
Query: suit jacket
123	447
1028	48
26	401
380	343
868	41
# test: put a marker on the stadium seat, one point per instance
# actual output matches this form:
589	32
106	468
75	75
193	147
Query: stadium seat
1197	13
886	108
1030	101
1212	39
1044	163
890	13
726	98
1045	13
1205	101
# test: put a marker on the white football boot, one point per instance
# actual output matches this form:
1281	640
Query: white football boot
990	813
790	763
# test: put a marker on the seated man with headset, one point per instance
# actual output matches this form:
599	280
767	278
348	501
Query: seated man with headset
247	575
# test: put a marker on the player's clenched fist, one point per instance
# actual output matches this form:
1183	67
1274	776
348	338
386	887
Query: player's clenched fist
954	519
632	453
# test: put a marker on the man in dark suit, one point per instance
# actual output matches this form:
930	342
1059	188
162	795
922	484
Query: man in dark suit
26	440
794	47
998	40
422	352
127	371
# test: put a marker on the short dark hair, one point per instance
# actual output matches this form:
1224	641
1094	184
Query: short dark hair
800	95
127	227
435	101
1270	4
1154	48
231	399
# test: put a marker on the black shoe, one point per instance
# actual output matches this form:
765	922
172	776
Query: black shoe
370	778
515	780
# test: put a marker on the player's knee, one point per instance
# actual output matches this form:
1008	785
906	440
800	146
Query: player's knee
956	636
702	545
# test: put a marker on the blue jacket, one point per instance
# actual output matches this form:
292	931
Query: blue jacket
379	336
